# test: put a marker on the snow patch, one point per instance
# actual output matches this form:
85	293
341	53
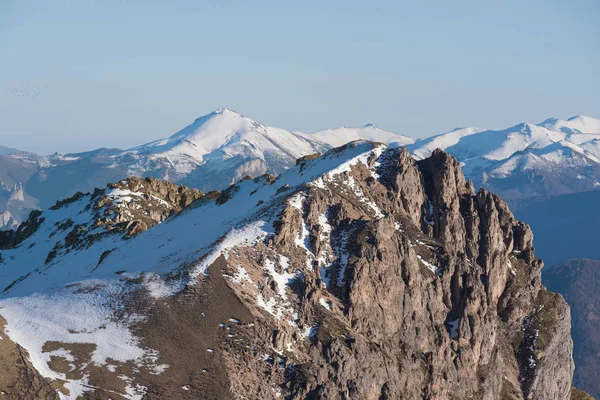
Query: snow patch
80	314
247	235
325	303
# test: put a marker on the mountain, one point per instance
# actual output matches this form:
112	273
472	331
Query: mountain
579	124
577	281
341	136
214	151
15	202
221	148
360	273
7	151
526	161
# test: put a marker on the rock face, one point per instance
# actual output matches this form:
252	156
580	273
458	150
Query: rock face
427	290
578	281
378	277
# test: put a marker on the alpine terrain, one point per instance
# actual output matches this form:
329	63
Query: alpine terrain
525	164
357	274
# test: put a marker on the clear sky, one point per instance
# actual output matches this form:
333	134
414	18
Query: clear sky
77	75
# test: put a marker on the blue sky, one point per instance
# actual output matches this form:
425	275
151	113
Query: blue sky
76	75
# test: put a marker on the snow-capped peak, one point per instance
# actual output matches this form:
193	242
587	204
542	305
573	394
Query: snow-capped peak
204	135
470	143
225	110
578	124
227	140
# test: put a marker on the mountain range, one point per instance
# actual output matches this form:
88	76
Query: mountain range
525	164
361	273
526	161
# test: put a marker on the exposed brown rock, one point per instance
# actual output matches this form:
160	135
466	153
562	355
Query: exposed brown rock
396	329
160	199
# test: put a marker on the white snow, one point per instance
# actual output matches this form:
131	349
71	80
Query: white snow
340	136
71	315
281	278
297	201
158	287
552	143
309	331
577	124
279	307
429	265
222	135
241	276
362	198
246	235
326	227
325	303
270	306
423	148
512	270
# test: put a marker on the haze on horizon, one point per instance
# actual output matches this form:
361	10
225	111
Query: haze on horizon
76	76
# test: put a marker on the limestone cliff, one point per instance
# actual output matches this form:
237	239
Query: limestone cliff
416	287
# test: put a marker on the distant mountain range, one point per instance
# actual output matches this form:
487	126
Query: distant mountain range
527	160
524	163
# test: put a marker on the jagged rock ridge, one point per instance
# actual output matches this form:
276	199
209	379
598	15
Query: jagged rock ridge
359	274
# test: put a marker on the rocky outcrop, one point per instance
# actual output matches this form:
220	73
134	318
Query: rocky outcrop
416	286
136	204
13	237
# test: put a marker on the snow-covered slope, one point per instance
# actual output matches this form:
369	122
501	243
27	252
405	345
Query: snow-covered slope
66	283
423	148
576	124
340	136
213	152
220	148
